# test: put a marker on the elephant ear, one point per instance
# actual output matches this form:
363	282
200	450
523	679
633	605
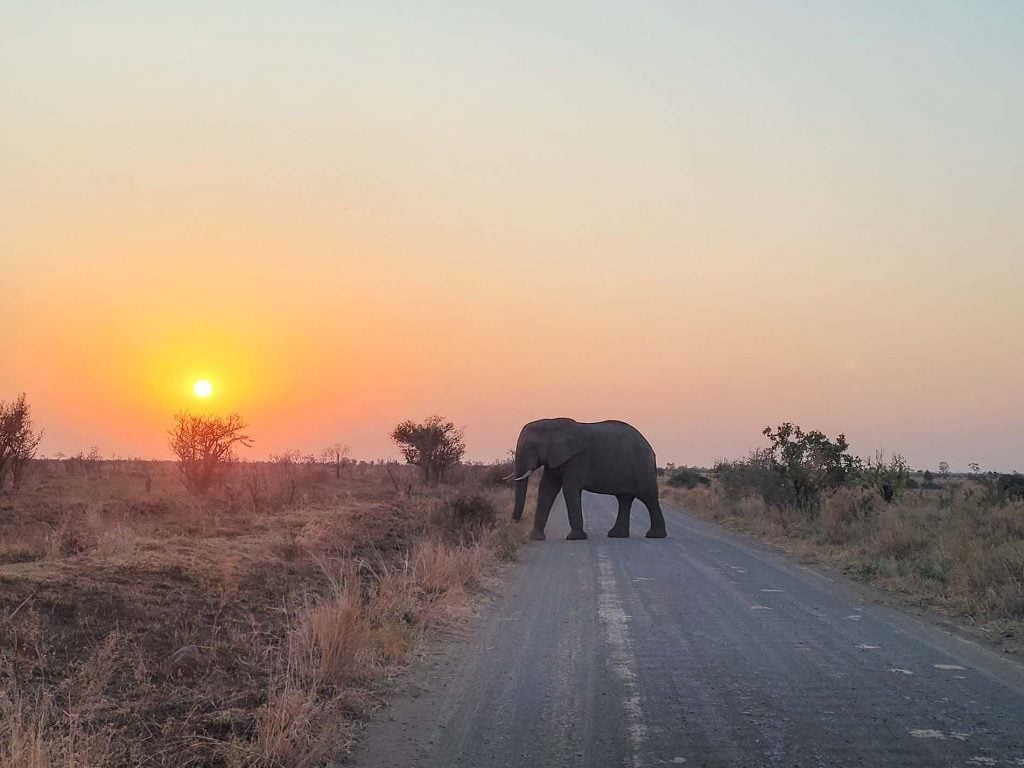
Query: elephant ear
563	447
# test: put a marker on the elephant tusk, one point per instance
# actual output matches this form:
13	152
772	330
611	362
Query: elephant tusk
509	476
523	476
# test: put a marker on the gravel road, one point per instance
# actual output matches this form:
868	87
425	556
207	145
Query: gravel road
696	650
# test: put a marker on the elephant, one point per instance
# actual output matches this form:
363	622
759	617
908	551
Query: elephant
609	457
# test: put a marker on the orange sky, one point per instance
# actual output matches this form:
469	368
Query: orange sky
701	221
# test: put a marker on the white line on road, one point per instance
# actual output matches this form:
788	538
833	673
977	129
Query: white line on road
615	625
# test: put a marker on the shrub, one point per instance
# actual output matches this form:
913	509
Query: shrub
684	477
18	441
336	455
810	462
434	446
465	517
890	478
205	447
1011	487
496	474
753	477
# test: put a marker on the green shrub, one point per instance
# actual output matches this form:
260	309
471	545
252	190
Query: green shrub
751	477
810	462
1010	487
889	478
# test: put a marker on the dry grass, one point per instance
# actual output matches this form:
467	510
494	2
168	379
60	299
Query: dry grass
28	740
239	630
943	549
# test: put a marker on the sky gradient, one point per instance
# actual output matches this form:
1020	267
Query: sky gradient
702	218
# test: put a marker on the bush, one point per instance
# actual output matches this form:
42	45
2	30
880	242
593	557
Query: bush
205	447
496	474
1010	487
687	478
753	477
465	517
434	446
809	462
889	478
18	441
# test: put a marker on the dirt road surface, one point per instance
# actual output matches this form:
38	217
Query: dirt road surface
696	650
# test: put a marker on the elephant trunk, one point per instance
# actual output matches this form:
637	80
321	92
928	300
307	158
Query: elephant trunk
526	461
520	503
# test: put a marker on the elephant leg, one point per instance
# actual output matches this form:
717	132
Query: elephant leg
574	505
621	528
550	485
657	529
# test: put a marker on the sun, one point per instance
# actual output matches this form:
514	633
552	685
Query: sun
202	388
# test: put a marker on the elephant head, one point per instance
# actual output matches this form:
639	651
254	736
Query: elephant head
546	443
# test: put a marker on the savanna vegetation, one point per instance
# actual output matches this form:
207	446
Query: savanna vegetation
18	441
435	445
213	612
954	542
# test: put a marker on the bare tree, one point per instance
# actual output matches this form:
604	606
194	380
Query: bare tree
288	464
18	441
337	456
434	446
205	447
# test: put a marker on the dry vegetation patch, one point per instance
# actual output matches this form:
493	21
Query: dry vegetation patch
153	628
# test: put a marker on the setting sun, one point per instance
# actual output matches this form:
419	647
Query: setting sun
202	388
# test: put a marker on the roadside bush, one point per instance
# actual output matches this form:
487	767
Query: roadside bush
684	477
795	470
753	477
495	474
464	518
810	462
890	478
1010	487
